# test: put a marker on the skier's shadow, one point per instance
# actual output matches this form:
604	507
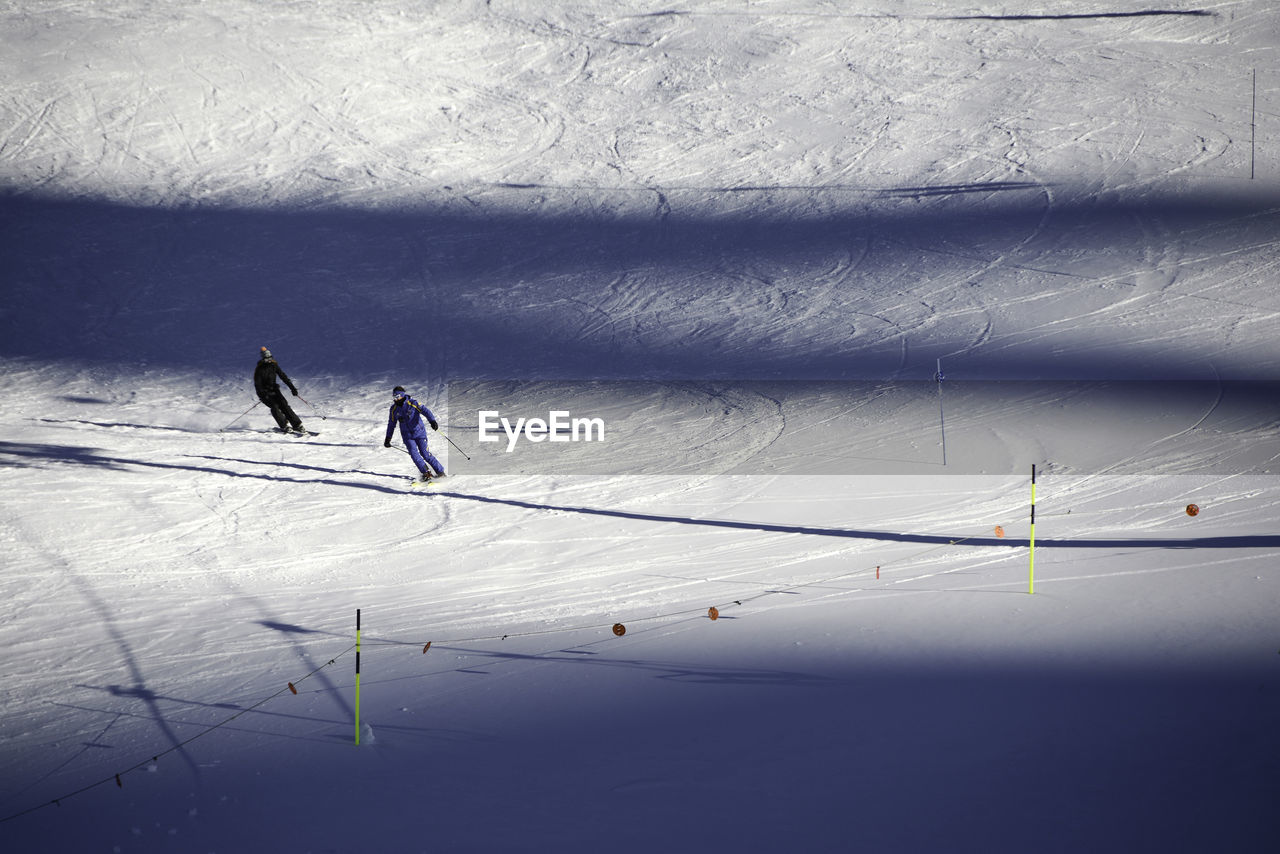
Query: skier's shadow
33	454
119	425
1247	541
300	467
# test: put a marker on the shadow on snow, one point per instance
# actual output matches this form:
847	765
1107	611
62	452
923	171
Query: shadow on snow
90	457
790	282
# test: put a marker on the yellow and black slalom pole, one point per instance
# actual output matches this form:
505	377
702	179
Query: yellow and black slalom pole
357	676
1031	571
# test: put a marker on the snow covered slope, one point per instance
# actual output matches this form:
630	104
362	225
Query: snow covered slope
744	236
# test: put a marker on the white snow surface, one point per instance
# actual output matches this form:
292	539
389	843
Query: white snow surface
744	234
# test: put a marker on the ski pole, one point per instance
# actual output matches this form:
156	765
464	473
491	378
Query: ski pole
238	417
313	409
447	439
455	444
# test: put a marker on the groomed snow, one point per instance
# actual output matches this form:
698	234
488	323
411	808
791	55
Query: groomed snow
742	234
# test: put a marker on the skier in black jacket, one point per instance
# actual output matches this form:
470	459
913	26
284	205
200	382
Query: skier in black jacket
264	382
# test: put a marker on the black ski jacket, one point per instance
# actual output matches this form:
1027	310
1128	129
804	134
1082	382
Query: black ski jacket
264	379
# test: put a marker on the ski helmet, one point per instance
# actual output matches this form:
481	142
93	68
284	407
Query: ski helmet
266	354
397	392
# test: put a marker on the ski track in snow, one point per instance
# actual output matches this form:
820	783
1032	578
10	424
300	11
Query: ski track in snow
767	229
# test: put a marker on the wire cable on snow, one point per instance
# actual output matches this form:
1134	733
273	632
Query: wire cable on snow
117	776
672	615
713	612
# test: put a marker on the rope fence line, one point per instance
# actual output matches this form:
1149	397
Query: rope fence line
619	627
117	777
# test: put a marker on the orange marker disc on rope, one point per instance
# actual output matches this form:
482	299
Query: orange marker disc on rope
999	531
1193	509
619	629
713	612
292	688
426	647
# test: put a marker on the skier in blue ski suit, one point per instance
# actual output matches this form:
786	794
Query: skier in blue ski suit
409	414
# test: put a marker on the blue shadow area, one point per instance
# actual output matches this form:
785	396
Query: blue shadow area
463	289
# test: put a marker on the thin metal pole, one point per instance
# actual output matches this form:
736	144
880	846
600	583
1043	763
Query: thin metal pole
455	444
942	421
238	417
323	417
1253	123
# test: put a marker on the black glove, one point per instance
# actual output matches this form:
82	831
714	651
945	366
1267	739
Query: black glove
434	425
295	391
387	443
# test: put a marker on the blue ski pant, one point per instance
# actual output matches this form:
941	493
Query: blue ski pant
421	456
